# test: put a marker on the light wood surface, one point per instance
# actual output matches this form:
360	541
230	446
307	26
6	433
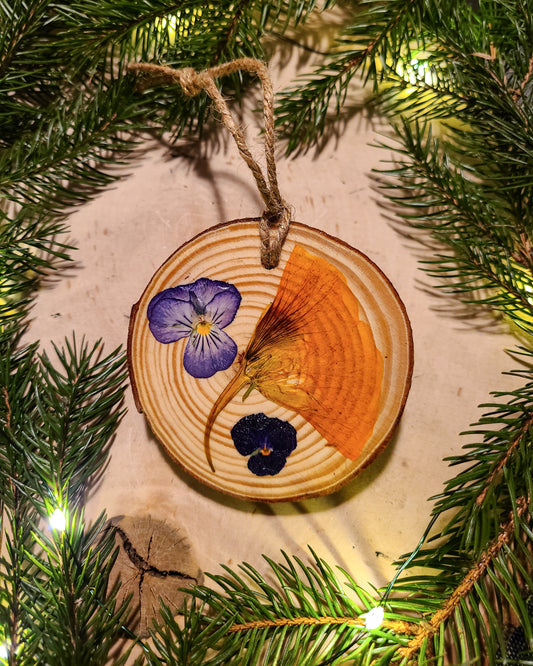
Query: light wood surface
177	405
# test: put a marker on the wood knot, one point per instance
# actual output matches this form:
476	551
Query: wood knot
273	229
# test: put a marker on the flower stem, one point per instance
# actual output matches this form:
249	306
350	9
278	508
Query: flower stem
223	399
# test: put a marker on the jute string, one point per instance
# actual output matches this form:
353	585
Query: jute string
275	220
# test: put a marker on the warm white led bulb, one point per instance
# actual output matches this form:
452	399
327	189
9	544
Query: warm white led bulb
58	520
374	618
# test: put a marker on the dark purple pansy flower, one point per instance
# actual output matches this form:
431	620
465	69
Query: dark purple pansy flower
199	311
268	441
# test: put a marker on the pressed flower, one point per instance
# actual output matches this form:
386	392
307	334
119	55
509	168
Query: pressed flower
310	352
268	441
197	311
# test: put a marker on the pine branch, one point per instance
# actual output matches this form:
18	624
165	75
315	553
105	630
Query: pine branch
307	617
58	420
82	622
430	627
505	459
479	495
20	25
374	42
274	637
432	190
16	375
482	553
67	147
77	397
92	33
475	611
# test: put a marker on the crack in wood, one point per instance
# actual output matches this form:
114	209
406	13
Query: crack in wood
143	565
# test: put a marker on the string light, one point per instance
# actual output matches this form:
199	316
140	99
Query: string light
523	279
374	618
6	651
180	24
168	23
58	520
417	71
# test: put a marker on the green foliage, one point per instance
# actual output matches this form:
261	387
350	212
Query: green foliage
380	36
306	615
57	423
455	80
480	496
482	549
79	621
76	400
489	260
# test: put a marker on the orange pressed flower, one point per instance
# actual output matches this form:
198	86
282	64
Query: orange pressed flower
312	354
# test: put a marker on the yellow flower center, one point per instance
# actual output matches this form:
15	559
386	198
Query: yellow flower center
203	327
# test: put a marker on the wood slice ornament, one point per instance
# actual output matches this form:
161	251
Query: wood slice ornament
321	371
276	380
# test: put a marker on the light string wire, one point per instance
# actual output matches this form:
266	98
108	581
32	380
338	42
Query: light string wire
383	600
275	220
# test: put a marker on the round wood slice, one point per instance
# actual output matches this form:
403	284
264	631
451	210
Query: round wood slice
177	405
154	564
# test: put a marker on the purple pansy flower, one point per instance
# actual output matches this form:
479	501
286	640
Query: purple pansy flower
199	311
268	441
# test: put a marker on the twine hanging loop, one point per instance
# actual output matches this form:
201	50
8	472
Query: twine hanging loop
273	229
275	220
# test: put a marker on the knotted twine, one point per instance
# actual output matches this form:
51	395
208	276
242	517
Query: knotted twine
275	220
